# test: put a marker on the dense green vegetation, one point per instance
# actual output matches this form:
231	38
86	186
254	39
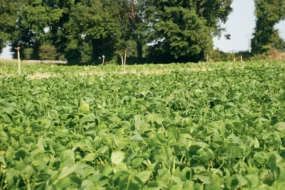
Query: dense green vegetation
187	126
83	30
268	14
160	31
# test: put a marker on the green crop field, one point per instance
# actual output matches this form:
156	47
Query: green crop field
179	126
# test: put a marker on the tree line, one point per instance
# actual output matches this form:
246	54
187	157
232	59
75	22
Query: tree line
162	31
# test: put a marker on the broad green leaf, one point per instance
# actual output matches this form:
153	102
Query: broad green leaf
188	185
137	162
272	164
87	118
176	187
242	181
280	126
204	176
281	172
144	176
87	184
89	157
204	179
3	136
253	180
137	137
84	108
6	118
67	170
107	170
121	167
2	158
117	157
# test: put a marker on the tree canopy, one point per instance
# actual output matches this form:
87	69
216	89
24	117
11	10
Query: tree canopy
81	31
182	30
268	14
9	13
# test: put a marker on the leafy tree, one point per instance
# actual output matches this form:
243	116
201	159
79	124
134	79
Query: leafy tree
83	30
268	13
181	30
129	16
8	13
279	44
86	30
28	52
135	27
47	52
33	21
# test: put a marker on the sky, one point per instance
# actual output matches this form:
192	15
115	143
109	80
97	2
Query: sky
240	26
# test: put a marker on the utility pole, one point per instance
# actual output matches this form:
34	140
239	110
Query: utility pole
19	60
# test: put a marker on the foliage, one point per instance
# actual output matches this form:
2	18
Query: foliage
130	16
151	31
181	30
279	44
273	54
27	53
268	13
47	52
83	30
218	55
31	29
143	127
8	15
90	32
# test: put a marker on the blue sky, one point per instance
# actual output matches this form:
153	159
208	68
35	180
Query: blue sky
240	26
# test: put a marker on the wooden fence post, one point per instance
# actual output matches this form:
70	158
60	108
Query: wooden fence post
125	58
19	60
103	59
122	59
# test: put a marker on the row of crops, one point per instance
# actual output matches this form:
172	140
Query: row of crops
191	126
